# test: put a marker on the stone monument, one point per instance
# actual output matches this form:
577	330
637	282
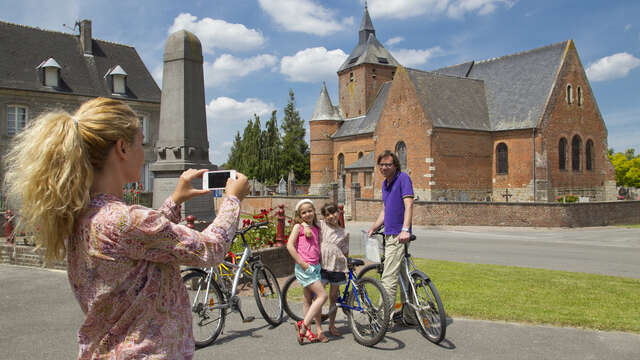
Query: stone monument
182	137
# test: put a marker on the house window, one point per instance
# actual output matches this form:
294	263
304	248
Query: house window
569	94
589	154
354	178
146	178
562	154
51	72
16	119
367	179
144	124
576	144
579	96
401	153
502	165
118	79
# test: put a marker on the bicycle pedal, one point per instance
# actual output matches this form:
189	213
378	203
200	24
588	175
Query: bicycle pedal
248	319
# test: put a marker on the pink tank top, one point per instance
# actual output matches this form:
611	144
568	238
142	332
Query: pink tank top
309	249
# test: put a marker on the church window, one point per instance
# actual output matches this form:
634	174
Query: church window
401	153
16	119
562	154
569	94
354	177
502	164
579	96
374	73
360	154
350	77
589	154
353	60
383	60
341	169
576	144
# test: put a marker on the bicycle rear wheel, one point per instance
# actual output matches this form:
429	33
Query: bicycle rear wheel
208	312
267	293
432	320
368	324
373	271
292	298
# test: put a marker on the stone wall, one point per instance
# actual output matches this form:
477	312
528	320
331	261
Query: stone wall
276	258
253	204
511	214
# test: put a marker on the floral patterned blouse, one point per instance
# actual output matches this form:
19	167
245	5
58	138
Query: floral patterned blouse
124	269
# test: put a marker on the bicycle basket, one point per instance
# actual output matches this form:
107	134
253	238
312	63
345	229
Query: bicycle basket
372	247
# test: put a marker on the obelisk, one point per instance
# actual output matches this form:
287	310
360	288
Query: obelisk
182	136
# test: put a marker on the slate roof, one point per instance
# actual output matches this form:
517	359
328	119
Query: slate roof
324	109
450	101
517	85
369	50
23	48
365	124
365	162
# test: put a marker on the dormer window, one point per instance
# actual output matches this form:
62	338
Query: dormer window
382	60
118	80
50	72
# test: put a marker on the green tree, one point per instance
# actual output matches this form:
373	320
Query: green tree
271	150
235	154
627	167
295	150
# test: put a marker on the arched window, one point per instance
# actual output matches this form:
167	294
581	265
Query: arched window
579	96
401	153
576	144
502	158
562	154
360	154
589	154
569	94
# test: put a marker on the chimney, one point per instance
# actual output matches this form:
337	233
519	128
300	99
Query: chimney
85	36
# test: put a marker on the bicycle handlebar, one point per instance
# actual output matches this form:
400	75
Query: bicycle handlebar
252	226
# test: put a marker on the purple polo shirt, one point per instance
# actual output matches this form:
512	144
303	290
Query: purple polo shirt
393	198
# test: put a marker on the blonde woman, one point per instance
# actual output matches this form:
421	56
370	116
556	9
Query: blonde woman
123	261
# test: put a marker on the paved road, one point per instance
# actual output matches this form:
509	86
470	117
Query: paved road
600	250
40	318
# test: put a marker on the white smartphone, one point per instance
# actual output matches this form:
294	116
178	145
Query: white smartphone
215	180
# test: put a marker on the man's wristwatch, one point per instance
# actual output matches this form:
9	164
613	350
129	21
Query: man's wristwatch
405	229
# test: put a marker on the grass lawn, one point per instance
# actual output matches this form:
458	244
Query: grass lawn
630	226
536	296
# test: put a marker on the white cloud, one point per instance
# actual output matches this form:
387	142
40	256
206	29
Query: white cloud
612	67
157	74
305	16
394	40
218	33
313	64
227	116
402	9
227	67
414	57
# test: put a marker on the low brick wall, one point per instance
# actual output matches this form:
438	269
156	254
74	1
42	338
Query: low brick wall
277	258
253	204
512	214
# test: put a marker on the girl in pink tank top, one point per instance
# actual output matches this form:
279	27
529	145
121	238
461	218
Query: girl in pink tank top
304	247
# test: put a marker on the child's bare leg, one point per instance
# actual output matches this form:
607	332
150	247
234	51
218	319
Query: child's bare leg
315	310
333	298
307	298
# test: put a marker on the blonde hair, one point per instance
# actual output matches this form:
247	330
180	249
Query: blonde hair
51	164
297	218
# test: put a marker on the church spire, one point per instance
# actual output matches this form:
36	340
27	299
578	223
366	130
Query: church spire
366	28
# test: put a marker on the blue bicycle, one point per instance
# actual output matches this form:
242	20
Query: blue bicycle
364	302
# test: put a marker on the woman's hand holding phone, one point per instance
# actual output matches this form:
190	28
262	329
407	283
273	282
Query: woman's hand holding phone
184	190
238	187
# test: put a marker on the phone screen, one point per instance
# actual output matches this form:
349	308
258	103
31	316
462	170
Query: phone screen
218	179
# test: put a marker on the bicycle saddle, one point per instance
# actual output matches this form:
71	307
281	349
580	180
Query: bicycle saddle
355	262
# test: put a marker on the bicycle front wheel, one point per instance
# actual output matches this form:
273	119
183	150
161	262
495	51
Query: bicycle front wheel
373	271
207	310
267	293
369	312
430	313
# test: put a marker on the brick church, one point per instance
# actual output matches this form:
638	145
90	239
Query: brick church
525	125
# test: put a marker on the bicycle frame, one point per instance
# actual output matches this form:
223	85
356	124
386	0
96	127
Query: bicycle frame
353	279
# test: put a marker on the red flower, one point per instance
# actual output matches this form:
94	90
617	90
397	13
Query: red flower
140	186
270	209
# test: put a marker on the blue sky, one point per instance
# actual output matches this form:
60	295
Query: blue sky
256	50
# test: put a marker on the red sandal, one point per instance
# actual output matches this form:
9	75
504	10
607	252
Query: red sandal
302	334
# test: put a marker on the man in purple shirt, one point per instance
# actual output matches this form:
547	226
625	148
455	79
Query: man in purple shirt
397	197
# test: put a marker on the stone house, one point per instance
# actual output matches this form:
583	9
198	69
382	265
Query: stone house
43	70
525	125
